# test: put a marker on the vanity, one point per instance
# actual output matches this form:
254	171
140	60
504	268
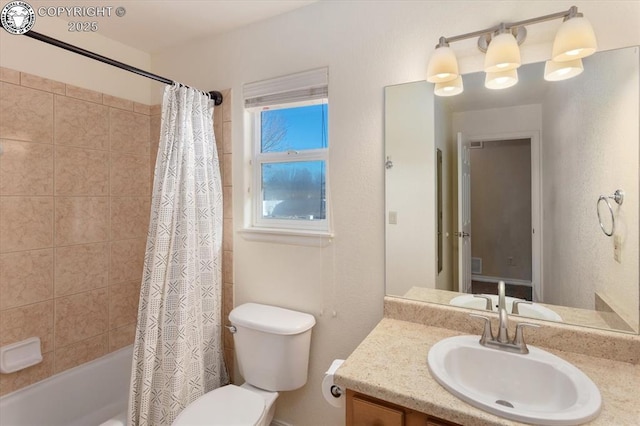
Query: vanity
363	409
582	296
387	377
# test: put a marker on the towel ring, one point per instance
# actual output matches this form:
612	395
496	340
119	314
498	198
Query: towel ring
618	197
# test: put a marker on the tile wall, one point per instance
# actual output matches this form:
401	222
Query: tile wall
76	171
222	129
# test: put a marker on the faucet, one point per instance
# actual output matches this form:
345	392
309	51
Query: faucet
503	329
502	341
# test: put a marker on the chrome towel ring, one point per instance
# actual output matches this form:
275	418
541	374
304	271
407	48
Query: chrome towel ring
618	197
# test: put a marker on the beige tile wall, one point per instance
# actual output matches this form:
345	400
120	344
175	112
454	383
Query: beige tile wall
222	128
74	212
76	175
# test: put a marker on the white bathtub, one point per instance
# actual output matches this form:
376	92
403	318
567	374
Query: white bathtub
87	395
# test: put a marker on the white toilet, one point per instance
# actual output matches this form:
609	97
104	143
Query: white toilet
272	349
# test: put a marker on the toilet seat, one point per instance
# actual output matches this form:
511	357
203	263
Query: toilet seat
228	405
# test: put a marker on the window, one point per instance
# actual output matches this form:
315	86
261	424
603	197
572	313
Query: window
290	152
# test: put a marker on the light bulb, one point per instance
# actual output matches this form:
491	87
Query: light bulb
501	80
503	53
556	71
449	88
575	39
443	65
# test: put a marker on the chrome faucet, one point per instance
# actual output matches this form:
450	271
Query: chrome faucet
502	341
503	329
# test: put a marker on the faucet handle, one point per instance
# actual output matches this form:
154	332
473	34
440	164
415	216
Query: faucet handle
518	340
489	304
514	306
487	334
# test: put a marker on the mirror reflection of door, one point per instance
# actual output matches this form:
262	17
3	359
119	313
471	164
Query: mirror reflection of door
501	214
464	215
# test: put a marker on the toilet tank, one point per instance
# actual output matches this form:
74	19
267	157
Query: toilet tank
272	345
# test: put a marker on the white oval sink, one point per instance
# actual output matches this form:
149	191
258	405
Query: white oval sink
526	310
538	388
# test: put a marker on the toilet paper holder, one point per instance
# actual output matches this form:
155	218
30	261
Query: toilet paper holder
336	391
331	392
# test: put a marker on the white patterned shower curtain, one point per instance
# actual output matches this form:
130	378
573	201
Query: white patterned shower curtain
178	352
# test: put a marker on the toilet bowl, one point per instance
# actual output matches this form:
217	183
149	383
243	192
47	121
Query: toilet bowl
282	339
230	405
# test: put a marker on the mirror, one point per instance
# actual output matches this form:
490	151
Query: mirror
534	180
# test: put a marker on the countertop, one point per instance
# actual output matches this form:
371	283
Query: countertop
391	364
583	317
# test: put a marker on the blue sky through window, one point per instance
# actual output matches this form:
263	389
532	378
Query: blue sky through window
294	189
294	128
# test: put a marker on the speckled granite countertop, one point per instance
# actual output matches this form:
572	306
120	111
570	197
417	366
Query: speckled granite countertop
391	364
584	317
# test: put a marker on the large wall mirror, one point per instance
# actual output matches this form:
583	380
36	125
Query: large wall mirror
517	185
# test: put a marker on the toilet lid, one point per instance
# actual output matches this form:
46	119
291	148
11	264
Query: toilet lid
228	405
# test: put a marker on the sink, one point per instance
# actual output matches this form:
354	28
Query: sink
531	311
538	388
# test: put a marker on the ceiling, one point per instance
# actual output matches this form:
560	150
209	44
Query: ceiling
153	25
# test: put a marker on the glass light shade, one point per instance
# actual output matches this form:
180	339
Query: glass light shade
449	88
503	54
501	80
556	71
575	39
443	65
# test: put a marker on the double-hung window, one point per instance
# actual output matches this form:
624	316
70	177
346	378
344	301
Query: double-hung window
289	130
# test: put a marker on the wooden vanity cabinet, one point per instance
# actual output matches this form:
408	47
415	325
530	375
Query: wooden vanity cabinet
364	410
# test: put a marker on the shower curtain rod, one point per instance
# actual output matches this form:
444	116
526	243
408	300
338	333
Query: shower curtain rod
214	95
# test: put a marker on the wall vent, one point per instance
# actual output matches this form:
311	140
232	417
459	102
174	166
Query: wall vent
476	145
476	265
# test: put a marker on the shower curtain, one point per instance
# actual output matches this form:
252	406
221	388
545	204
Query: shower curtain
178	352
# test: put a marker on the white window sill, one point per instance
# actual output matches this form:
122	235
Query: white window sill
287	236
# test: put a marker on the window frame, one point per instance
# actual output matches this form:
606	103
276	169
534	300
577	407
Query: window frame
258	159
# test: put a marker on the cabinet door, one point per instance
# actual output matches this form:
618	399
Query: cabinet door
364	410
367	413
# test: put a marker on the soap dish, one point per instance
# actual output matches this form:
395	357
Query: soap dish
20	355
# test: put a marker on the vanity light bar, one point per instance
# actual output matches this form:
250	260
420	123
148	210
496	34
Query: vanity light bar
488	32
574	40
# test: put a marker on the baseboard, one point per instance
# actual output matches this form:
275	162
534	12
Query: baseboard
512	281
276	422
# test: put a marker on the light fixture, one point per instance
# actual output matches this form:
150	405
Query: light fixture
556	71
503	53
575	40
449	88
443	65
501	80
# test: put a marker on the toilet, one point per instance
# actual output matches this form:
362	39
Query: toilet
272	349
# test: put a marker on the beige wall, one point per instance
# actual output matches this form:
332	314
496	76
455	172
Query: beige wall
410	188
74	212
35	57
390	45
501	208
591	149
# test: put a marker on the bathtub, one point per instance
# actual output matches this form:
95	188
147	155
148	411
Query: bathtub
87	395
